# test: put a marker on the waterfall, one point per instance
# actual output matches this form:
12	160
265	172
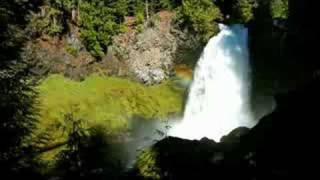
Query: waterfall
218	100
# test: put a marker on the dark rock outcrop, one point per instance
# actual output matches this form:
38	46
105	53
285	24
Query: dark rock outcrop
280	146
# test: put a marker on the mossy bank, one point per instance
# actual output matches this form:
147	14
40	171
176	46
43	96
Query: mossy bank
100	101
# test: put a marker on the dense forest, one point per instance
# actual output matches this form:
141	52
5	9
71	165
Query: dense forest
82	82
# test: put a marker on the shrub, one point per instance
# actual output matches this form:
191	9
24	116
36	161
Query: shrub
99	22
279	8
201	15
48	23
243	10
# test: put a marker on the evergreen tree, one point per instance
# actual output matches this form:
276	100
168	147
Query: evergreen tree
17	97
279	8
243	10
201	17
99	22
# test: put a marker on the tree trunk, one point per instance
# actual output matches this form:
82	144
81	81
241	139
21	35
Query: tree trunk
78	13
54	21
75	13
51	147
147	10
74	16
43	11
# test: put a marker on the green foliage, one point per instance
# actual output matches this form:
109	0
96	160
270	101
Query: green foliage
16	94
77	133
72	50
139	20
166	4
137	9
66	5
135	6
74	127
279	8
12	27
201	15
18	115
147	165
48	23
99	22
88	151
102	101
119	8
157	5
243	10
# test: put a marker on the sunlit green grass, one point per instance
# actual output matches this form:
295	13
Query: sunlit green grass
109	102
106	101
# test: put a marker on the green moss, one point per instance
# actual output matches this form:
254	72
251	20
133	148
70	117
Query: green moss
101	101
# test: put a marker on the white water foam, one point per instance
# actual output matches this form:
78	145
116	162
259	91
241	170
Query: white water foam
218	100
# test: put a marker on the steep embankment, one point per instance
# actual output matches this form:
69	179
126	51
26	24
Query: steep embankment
147	54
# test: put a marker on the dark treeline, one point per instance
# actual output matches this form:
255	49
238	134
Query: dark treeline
99	21
16	94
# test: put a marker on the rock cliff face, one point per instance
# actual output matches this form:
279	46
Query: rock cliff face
147	55
53	55
151	54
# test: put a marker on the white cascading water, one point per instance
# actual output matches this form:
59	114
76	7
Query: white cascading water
218	100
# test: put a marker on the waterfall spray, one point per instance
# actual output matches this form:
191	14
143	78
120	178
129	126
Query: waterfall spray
218	100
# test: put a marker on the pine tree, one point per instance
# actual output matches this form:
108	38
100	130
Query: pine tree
201	17
100	21
243	10
17	97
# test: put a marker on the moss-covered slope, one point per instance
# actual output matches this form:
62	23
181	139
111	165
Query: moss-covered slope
107	102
